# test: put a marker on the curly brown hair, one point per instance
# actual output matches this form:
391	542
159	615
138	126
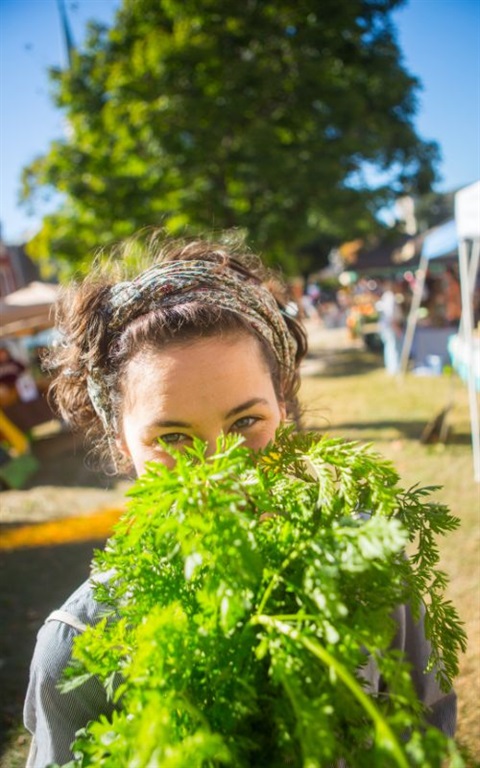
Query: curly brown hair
87	341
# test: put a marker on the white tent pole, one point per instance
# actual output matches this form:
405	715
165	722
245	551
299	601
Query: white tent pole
472	276
412	315
473	269
467	328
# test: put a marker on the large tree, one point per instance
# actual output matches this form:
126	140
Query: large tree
266	115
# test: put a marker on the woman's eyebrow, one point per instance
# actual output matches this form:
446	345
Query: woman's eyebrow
245	406
162	423
169	423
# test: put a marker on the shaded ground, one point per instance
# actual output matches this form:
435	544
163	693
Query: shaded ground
35	580
63	486
33	583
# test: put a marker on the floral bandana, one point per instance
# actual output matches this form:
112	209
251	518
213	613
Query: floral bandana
181	282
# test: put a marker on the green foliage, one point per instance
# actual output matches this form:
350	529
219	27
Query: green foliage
249	594
433	209
260	116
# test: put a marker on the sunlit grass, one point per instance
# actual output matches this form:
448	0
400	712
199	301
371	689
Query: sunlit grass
363	403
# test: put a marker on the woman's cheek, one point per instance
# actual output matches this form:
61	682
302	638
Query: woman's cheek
260	440
163	457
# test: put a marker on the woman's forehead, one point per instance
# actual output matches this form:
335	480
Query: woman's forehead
201	370
196	351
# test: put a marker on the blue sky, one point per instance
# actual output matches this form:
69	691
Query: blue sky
440	40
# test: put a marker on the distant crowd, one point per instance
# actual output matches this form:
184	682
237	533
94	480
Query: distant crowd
379	307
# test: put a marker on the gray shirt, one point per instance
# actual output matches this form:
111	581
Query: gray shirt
53	717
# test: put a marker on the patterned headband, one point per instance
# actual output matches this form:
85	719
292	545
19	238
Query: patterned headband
181	282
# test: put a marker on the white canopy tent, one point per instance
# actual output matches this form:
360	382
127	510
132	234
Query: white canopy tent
460	237
440	242
467	217
28	310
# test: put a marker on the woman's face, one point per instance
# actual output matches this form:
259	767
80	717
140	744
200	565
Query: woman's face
205	388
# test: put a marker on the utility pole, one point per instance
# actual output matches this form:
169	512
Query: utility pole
67	33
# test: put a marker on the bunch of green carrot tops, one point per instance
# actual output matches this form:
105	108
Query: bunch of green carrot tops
248	592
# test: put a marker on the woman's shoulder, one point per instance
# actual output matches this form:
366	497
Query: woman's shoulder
54	716
82	607
80	610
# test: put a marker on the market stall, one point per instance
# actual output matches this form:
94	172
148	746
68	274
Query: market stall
460	238
467	216
28	310
26	325
438	244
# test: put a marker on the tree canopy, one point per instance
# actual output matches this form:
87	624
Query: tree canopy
265	116
433	209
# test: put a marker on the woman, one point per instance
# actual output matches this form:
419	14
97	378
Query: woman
198	344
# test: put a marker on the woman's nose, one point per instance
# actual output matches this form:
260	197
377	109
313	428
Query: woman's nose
211	441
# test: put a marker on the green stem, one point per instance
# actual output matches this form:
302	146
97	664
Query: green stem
278	576
382	729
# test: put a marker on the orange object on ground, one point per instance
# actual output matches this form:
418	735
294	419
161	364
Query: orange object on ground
66	530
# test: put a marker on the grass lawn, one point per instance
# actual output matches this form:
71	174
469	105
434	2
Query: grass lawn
346	392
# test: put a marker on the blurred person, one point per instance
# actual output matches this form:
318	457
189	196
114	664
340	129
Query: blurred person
452	297
10	372
390	325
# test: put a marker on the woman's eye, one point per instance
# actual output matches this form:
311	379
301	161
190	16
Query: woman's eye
173	438
244	423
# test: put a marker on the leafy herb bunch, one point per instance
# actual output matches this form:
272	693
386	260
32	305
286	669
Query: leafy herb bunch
251	597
